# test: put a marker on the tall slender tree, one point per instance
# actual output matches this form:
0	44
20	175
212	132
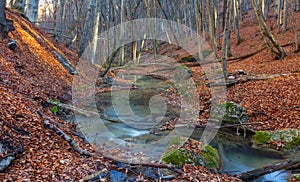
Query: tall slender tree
60	20
88	27
271	42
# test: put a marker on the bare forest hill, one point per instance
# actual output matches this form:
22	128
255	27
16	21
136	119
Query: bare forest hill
32	74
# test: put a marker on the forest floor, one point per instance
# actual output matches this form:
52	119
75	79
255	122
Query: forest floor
31	75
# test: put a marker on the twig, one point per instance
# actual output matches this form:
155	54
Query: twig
63	135
146	164
92	176
230	126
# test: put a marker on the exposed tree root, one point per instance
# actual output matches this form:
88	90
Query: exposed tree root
63	135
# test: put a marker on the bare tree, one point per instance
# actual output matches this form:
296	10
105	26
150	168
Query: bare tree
271	42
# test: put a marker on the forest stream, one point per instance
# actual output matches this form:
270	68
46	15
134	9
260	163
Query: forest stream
235	151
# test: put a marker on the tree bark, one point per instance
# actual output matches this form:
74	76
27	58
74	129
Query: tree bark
225	37
295	30
95	32
270	40
5	24
31	10
88	27
285	15
59	20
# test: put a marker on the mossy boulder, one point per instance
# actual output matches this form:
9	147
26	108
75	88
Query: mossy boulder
261	137
178	156
287	139
229	113
295	177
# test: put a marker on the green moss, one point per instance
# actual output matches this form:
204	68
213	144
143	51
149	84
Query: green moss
211	157
178	157
261	137
294	143
295	177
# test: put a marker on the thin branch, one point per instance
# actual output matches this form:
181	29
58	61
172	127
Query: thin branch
63	135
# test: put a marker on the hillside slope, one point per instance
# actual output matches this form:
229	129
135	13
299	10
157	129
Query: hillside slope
28	77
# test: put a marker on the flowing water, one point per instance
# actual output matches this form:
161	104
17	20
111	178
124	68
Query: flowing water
236	152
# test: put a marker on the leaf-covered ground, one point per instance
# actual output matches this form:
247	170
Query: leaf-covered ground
31	75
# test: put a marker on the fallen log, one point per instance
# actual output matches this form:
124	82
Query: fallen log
66	63
255	173
74	109
62	134
145	164
82	111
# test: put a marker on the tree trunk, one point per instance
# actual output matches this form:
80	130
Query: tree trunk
228	39
122	32
270	40
236	21
88	27
5	24
198	30
210	9
285	15
31	10
18	4
225	37
295	30
279	5
60	20
95	32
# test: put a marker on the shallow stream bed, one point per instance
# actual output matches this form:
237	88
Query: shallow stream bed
236	152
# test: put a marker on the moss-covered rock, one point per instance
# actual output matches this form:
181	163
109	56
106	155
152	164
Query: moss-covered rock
282	139
295	177
229	113
211	157
177	155
261	137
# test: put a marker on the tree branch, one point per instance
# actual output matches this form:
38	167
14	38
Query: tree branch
63	135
